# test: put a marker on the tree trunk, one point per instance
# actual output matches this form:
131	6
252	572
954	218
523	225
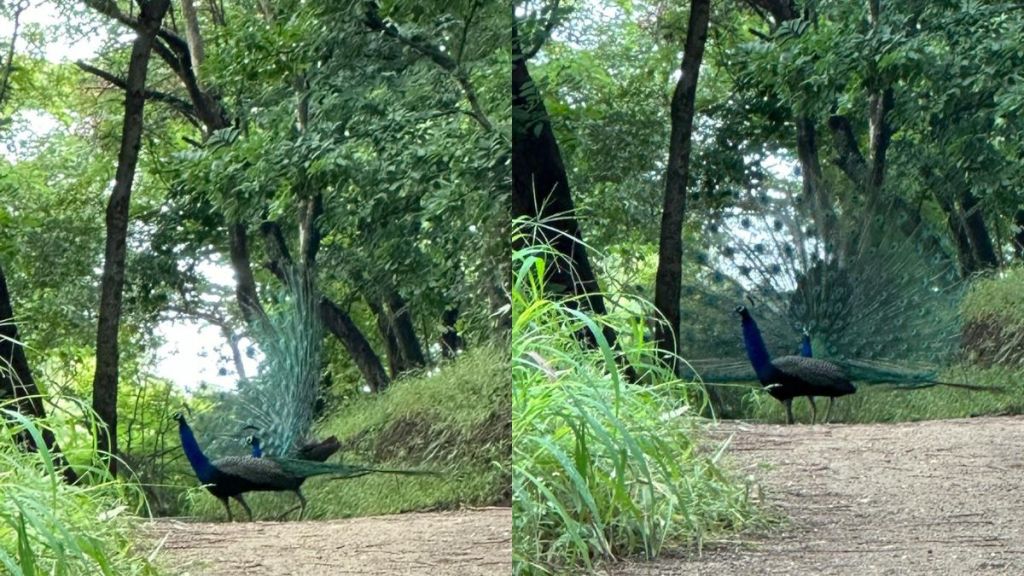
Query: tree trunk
104	394
974	224
342	326
192	34
16	379
813	181
1018	234
245	282
334	318
540	192
402	326
396	364
964	252
670	248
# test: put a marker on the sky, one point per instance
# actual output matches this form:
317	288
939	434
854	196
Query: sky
192	350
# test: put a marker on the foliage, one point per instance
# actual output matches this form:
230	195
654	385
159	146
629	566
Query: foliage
601	468
49	527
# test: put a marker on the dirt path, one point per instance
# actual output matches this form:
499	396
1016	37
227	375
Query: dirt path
941	497
471	543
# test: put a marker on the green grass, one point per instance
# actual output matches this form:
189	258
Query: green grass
456	422
49	527
602	468
997	296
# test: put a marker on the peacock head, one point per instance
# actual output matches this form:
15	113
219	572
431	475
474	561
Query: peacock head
250	440
179	417
742	311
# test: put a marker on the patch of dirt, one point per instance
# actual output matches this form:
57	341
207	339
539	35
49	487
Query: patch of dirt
938	497
468	542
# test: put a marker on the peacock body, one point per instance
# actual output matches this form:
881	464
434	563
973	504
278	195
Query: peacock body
790	377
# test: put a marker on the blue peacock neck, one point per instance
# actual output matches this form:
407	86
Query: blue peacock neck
757	352
805	346
200	463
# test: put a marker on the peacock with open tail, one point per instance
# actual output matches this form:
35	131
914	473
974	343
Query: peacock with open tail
233	476
878	300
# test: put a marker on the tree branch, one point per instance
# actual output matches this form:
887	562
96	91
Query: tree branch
19	8
543	34
178	104
373	20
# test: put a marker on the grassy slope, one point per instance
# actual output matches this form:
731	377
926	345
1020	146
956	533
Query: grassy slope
457	422
993	313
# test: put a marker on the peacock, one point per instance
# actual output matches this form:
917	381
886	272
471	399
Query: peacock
879	299
314	451
233	476
788	377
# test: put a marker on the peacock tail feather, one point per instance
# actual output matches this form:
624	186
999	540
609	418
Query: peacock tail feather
286	472
279	401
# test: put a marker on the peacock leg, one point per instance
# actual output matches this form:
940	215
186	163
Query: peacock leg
227	507
829	410
301	506
302	501
789	410
244	505
814	409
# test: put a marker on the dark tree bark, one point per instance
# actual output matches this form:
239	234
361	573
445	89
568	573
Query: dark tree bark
104	393
16	379
396	364
1018	234
245	282
402	326
540	193
540	190
450	340
813	181
341	325
974	224
670	248
954	220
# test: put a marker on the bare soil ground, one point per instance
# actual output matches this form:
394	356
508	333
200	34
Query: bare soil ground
469	542
941	497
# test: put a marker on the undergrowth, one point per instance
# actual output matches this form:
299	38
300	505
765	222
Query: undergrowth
603	468
50	527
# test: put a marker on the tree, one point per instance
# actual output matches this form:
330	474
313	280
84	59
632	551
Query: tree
540	185
16	379
667	286
104	400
